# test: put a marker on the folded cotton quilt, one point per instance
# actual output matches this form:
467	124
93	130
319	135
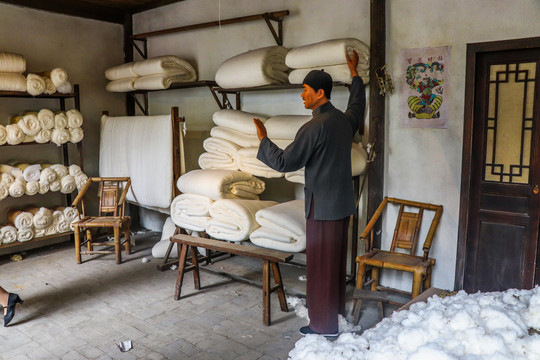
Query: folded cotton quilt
12	63
234	220
328	52
257	67
285	126
247	161
235	136
339	73
221	154
122	71
221	184
283	227
161	64
191	211
238	120
163	81
121	85
358	165
12	82
139	147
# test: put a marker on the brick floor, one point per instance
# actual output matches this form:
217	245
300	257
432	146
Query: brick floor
79	311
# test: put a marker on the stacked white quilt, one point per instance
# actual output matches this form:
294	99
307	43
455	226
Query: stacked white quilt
330	56
150	74
359	158
43	126
253	68
234	129
12	67
283	227
233	142
20	179
33	222
139	147
200	188
233	219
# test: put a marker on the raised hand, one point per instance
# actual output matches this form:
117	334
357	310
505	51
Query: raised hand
352	63
261	129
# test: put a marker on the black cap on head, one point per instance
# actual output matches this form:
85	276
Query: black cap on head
318	79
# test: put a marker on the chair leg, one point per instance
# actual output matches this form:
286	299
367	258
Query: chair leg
117	246
77	244
375	278
357	307
427	280
417	282
360	275
89	245
127	238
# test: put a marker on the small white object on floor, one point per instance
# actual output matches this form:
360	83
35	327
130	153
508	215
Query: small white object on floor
145	260
302	278
125	346
174	267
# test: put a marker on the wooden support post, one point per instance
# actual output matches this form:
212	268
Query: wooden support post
128	57
376	112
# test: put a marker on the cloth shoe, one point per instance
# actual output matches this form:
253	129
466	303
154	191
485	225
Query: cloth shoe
304	330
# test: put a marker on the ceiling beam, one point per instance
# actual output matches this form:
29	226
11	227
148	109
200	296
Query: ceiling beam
73	8
152	5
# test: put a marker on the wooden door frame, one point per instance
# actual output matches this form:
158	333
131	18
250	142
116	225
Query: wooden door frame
473	50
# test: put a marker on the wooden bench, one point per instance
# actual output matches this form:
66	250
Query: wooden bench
271	259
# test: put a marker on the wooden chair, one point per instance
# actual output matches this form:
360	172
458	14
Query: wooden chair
405	238
110	215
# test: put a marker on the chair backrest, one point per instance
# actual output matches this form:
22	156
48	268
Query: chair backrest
408	225
112	195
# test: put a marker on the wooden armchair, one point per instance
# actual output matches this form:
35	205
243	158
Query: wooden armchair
405	238
110	215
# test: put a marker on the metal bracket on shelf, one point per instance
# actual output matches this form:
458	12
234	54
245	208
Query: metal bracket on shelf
142	106
224	103
279	36
144	51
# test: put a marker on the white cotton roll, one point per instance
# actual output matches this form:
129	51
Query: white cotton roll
44	136
60	170
68	184
25	234
60	120
81	181
8	234
50	88
48	175
15	135
32	188
43	218
39	233
46	119
55	185
31	172
74	170
35	85
75	118
65	88
29	124
24	220
71	214
60	222
12	82
3	135
12	63
59	76
18	188
60	136
6	179
75	135
43	188
4	191
28	139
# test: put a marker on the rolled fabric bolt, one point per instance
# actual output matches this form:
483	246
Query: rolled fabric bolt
29	124
75	134
4	191
18	188
81	181
43	188
60	120
74	118
43	218
47	175
68	184
46	119
54	186
66	88
60	170
3	135
35	85
44	136
58	76
60	136
8	234
75	170
20	219
6	179
50	88
15	135
25	234
32	188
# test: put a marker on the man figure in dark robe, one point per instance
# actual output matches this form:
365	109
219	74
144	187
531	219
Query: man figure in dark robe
323	147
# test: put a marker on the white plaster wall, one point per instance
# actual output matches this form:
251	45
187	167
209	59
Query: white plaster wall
85	48
425	164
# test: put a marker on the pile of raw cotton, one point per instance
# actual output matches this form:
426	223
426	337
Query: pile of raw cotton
482	326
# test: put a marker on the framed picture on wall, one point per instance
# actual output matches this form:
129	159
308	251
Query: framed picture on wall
425	87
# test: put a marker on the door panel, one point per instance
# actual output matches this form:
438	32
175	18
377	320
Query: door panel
502	237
